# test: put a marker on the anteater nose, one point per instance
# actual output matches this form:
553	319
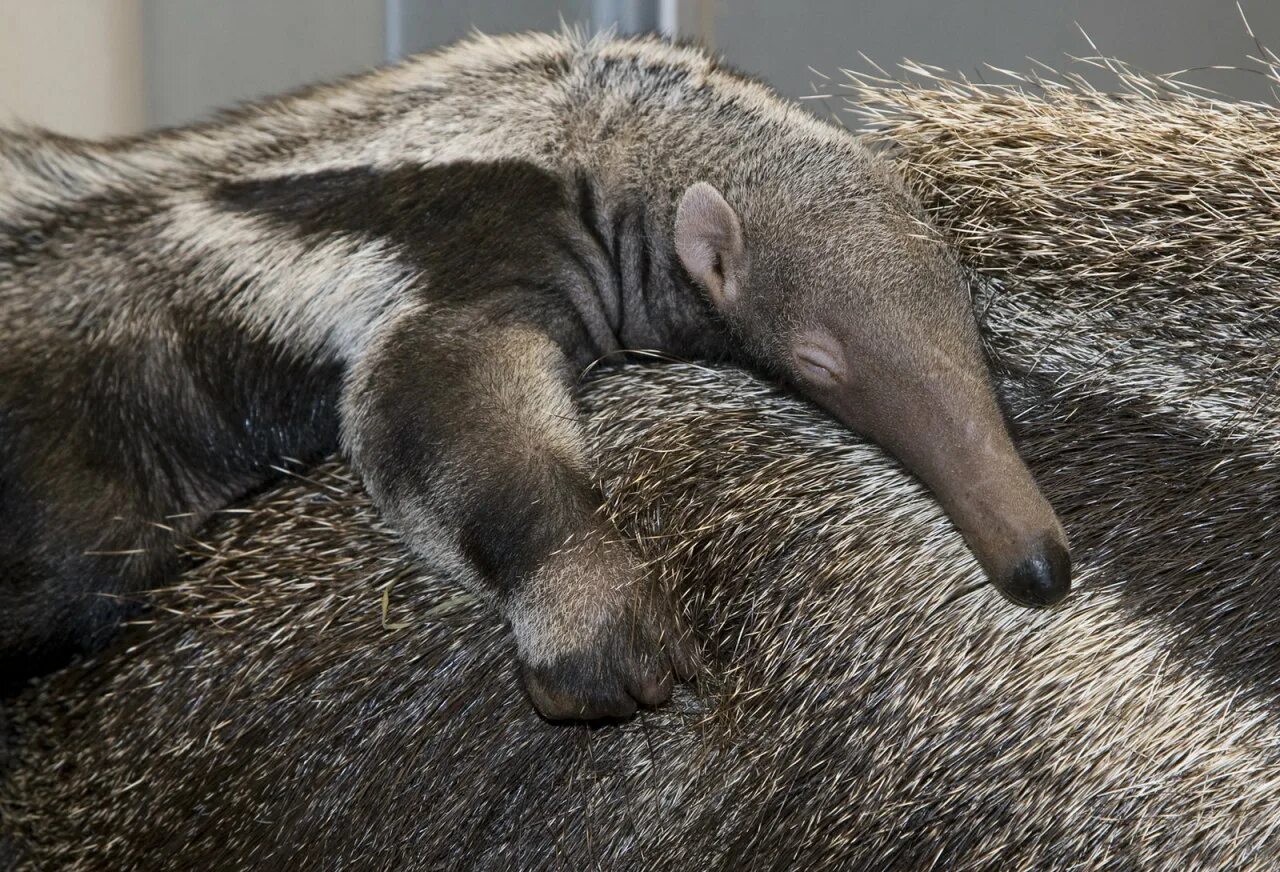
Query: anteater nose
1043	578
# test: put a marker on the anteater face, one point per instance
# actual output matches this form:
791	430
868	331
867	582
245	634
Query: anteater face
849	296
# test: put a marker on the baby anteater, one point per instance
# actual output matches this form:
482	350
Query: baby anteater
414	265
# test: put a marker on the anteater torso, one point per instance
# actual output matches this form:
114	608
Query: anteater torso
413	265
180	311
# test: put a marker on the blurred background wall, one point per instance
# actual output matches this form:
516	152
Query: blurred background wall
73	65
206	54
101	67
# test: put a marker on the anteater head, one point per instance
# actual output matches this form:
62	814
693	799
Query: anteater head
840	287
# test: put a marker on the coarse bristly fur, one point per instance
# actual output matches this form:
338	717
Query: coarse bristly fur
1146	212
412	265
867	702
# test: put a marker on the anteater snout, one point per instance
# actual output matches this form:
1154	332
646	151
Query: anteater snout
1042	579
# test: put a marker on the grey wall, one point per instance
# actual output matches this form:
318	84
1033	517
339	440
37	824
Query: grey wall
201	55
429	23
779	40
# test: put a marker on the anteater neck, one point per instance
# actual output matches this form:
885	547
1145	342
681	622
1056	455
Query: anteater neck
639	288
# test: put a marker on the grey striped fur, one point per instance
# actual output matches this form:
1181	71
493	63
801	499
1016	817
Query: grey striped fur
867	702
412	265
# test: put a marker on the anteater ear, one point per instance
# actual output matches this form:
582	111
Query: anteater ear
709	243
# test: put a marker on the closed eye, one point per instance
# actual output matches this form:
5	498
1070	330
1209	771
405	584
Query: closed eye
818	364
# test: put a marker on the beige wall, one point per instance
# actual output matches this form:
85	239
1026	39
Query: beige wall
74	66
104	67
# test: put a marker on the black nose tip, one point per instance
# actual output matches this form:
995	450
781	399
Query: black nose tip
1042	579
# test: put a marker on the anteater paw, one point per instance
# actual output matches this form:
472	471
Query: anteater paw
596	641
632	663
